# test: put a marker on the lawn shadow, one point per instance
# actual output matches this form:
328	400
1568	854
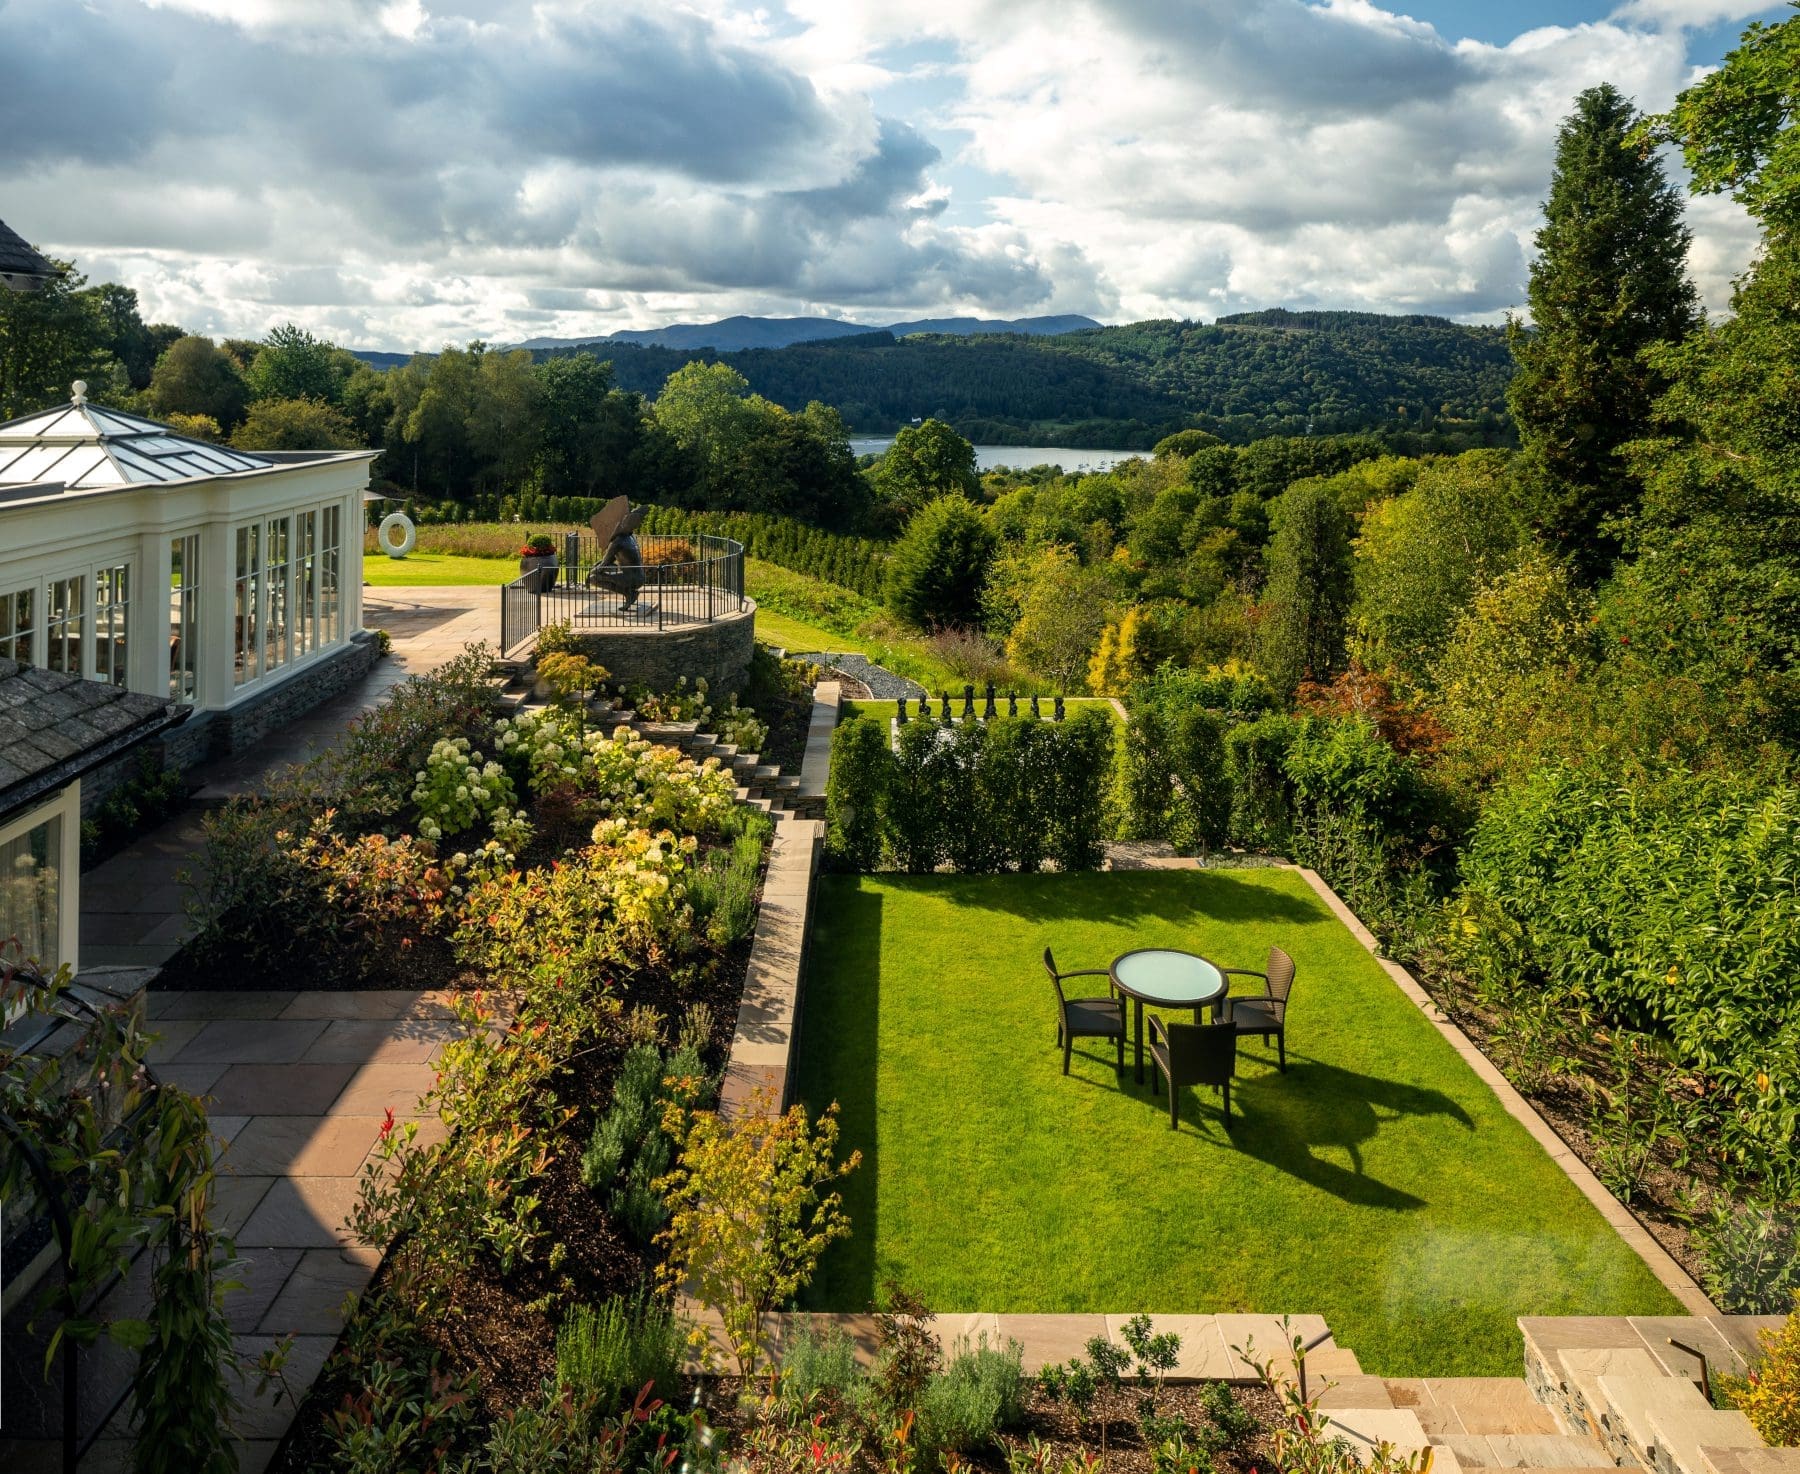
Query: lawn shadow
839	1055
1124	897
1317	1106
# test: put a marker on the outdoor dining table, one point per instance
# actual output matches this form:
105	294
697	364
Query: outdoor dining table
1164	978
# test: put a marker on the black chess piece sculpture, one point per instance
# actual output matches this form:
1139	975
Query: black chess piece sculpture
1059	710
988	712
1012	703
900	711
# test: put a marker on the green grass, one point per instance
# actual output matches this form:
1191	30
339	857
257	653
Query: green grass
1378	1183
436	568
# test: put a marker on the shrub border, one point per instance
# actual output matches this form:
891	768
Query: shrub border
1676	1280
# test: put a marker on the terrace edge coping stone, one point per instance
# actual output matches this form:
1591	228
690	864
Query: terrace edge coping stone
768	1019
1676	1280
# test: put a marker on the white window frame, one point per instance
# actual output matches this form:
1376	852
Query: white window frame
313	616
183	670
89	575
67	807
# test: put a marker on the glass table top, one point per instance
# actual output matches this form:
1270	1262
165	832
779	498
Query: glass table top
1160	975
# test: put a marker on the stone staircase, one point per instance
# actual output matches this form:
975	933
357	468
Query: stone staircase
1598	1393
760	784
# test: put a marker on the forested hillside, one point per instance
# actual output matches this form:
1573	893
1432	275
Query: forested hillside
1269	373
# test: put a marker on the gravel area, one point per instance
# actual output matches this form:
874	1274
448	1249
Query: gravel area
883	684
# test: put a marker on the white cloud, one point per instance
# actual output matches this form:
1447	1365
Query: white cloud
409	172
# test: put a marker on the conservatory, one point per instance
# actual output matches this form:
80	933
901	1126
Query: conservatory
199	574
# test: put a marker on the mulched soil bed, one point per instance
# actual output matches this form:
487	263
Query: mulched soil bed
1066	1436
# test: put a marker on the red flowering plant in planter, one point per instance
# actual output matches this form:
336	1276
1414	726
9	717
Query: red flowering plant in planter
538	545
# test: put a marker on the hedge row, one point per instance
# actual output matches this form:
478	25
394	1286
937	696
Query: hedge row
979	796
850	562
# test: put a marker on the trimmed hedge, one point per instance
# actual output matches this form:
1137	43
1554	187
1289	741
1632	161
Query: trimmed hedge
1003	795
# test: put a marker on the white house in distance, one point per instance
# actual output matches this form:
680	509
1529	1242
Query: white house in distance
226	582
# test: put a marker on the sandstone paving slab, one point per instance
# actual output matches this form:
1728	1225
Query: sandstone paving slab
224	1128
1742	1331
261	1275
1203	1355
380	1041
373	1003
295	1089
971	1327
235	1199
303	1146
1049	1339
1750	1460
1658	1331
1365	1428
1266	1338
169	1037
1680	1431
242	1041
195	1079
1547	1451
378	1088
431	1131
268	1416
1361	1391
311	1302
302	1213
1625	1404
232	1003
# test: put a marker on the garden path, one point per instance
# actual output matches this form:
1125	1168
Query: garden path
299	1082
133	906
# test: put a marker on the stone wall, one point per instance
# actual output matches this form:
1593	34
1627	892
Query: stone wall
719	652
210	735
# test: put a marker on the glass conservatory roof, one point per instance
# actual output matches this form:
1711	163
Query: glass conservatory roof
82	446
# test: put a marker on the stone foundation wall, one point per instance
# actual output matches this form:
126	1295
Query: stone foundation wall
718	652
210	735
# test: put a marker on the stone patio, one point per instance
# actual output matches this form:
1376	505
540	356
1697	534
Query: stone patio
299	1086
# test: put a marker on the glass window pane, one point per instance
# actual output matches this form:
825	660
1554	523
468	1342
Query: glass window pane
275	627
30	894
65	625
184	617
17	624
247	659
112	608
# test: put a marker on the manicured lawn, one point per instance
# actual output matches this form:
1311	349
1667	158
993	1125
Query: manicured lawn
1378	1183
799	638
436	568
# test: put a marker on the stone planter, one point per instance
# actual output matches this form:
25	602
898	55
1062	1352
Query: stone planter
544	566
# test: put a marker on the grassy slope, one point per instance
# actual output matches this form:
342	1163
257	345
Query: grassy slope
1378	1182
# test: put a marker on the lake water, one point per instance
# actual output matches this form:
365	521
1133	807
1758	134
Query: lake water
989	457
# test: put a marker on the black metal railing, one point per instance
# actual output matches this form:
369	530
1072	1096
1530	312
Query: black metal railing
681	581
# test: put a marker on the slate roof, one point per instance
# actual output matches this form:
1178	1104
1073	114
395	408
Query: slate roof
18	259
84	445
53	728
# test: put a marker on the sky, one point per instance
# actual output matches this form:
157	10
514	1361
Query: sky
401	174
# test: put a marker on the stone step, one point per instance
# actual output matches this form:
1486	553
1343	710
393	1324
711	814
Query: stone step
1749	1460
1477	1405
1524	1451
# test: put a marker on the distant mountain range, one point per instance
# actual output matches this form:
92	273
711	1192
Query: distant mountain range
733	334
1068	381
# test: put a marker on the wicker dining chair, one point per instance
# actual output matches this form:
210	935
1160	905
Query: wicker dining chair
1264	1015
1087	1018
1193	1054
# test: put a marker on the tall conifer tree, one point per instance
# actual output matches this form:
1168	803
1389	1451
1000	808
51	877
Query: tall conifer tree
1609	281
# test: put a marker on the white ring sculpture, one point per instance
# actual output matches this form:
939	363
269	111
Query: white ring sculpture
397	522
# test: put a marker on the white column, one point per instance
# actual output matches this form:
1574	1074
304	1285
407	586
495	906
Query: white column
351	563
218	571
147	618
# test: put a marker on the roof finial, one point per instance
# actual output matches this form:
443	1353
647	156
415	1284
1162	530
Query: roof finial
79	387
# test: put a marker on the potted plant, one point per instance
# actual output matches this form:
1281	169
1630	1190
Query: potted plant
539	556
